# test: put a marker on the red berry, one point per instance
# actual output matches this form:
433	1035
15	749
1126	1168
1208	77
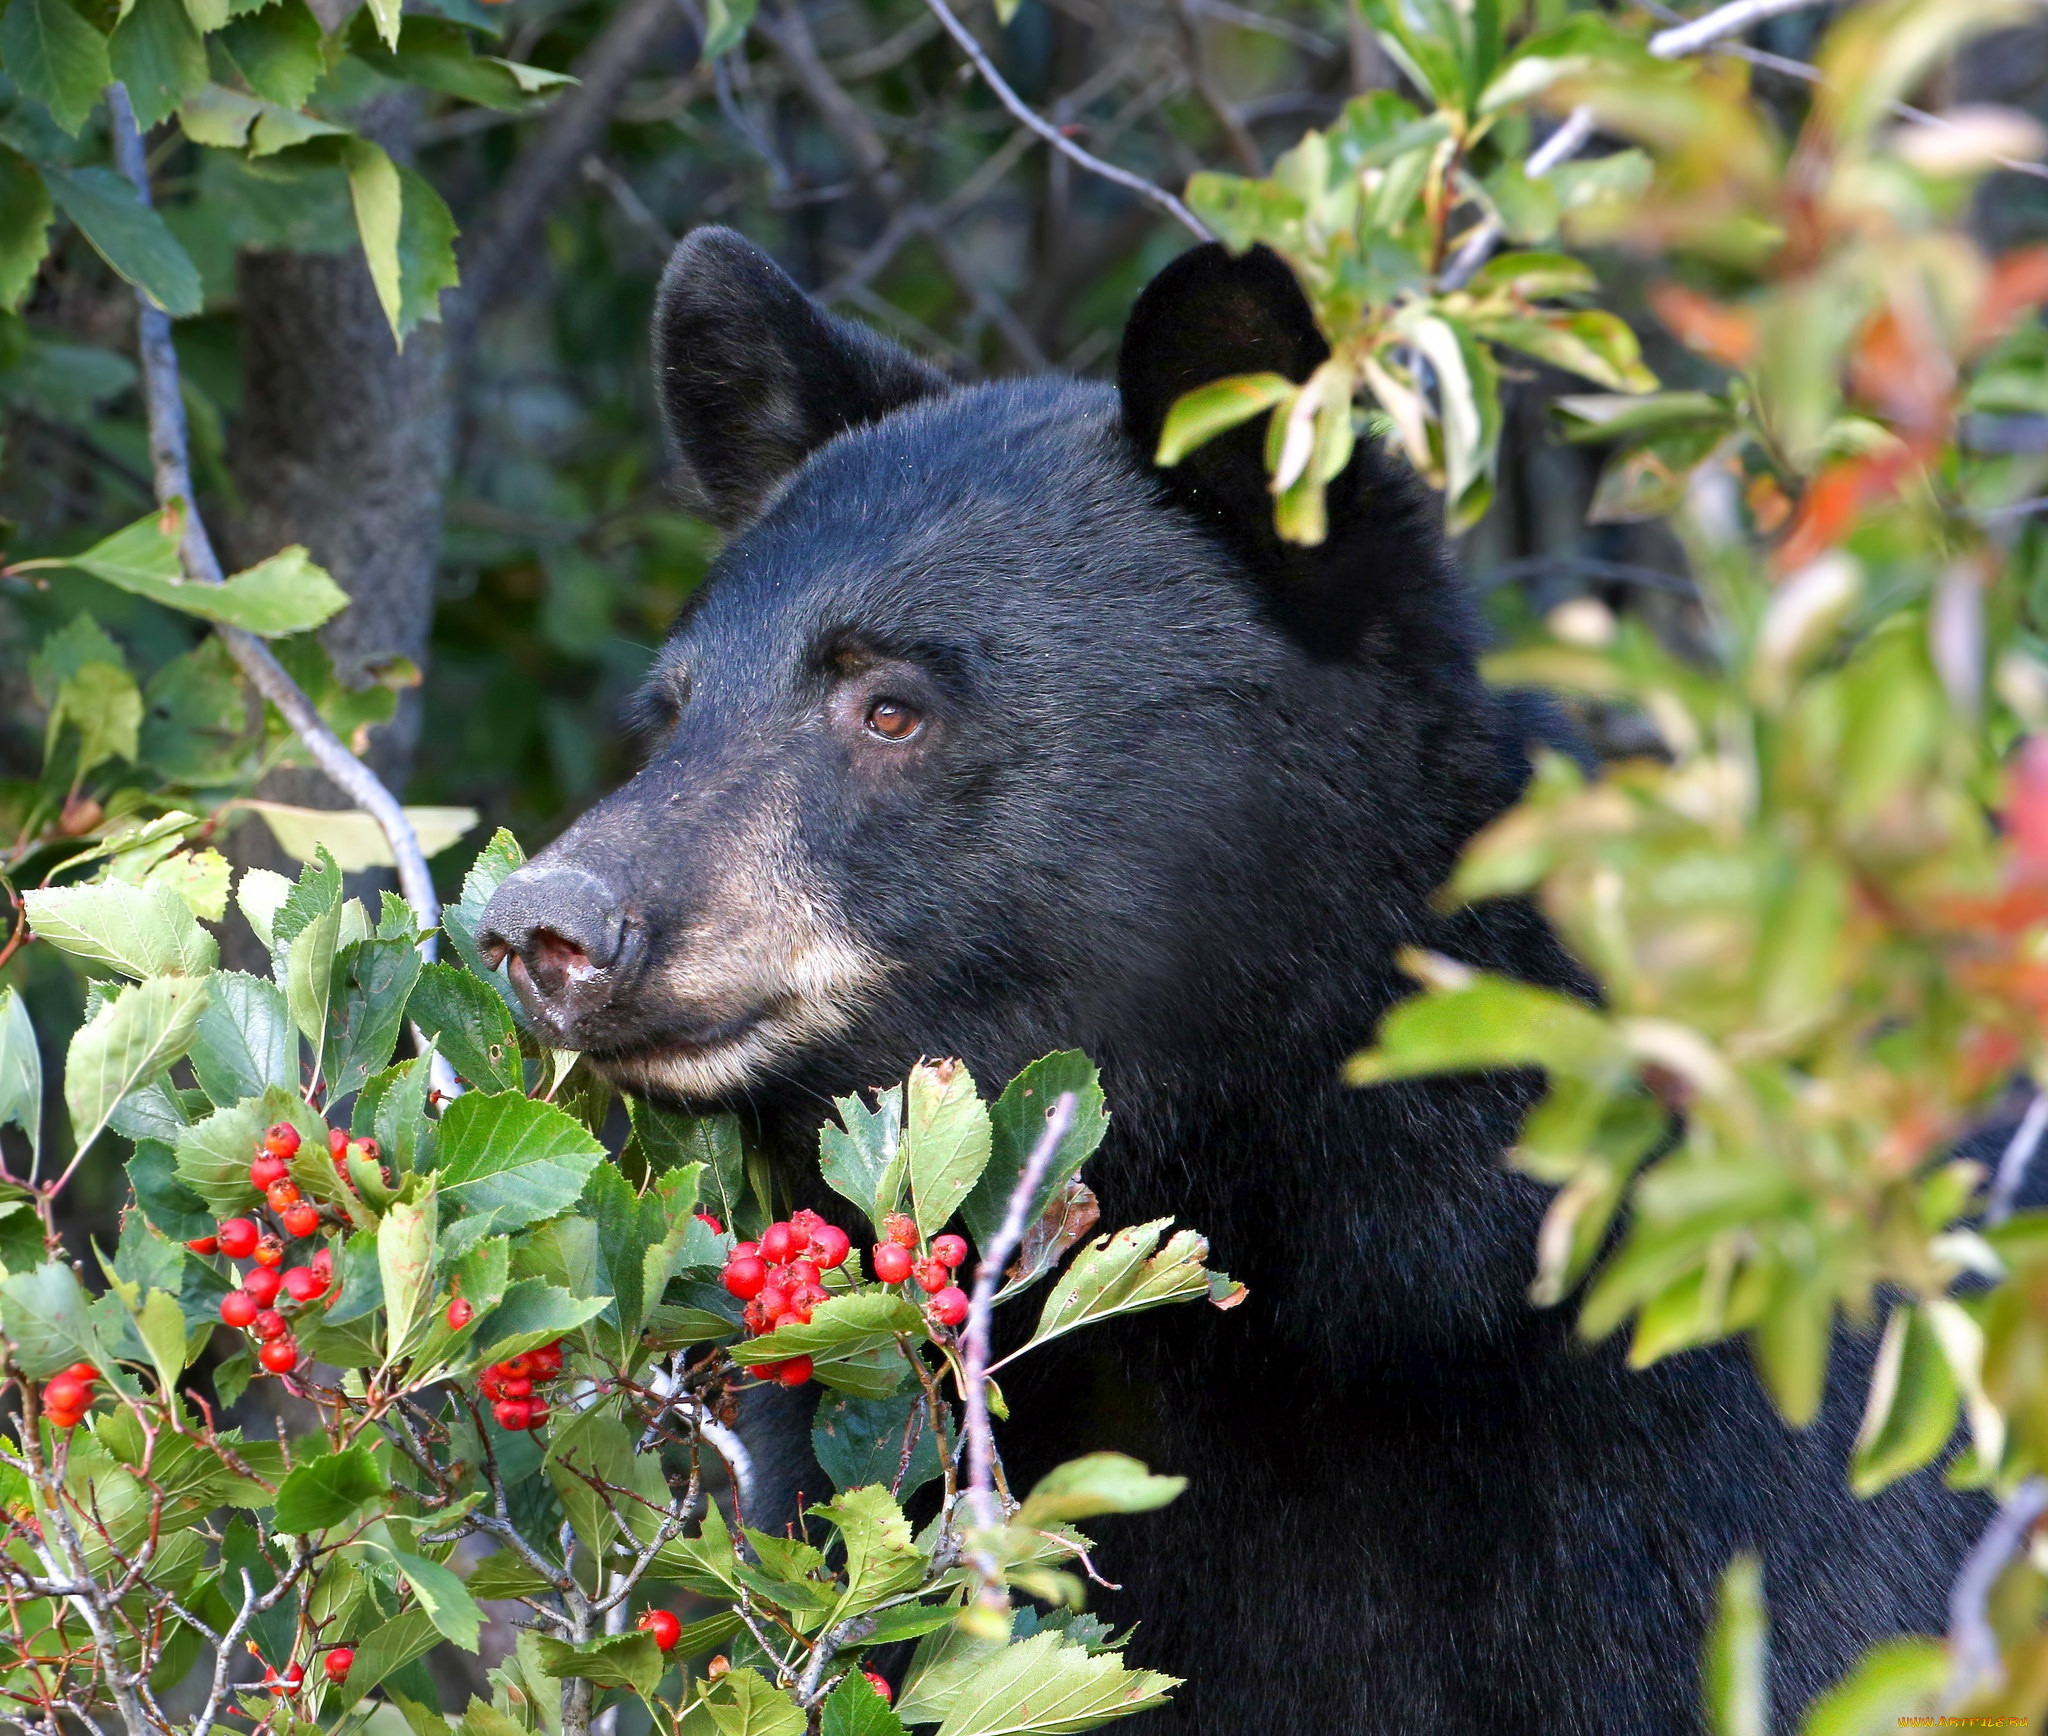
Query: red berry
262	1283
803	1226
337	1664
204	1244
238	1308
282	1194
517	1367
294	1674
281	1139
304	1283
950	1251
547	1360
487	1383
901	1230
85	1371
892	1262
323	1265
711	1222
745	1276
269	1324
774	1300
880	1686
536	1413
513	1413
66	1393
302	1219
63	1419
337	1142
266	1171
238	1238
280	1355
269	1251
830	1245
740	1250
931	1276
515	1386
949	1306
663	1626
794	1372
776	1243
755	1318
366	1150
460	1314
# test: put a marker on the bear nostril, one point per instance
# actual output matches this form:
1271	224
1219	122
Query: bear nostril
493	949
555	955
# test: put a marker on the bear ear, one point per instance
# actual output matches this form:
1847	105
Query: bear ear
754	376
1208	314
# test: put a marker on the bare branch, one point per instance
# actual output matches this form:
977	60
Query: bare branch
1730	20
2013	1162
1149	191
1973	1647
1243	146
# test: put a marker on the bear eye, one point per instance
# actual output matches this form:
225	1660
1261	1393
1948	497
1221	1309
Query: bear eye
892	720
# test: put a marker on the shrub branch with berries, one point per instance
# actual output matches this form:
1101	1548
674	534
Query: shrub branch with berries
500	1343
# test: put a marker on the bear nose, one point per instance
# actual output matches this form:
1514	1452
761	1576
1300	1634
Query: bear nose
564	931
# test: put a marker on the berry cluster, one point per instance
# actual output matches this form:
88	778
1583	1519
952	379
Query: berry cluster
895	1259
67	1396
251	1306
781	1279
509	1385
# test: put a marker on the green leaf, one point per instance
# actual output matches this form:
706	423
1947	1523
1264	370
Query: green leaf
513	1158
880	1559
470	1026
855	1709
244	1042
277	50
863	1161
1893	1680
443	1596
405	1261
55	57
307	933
169	1206
752	1706
1483	1023
858	1441
426	252
161	1327
159	57
21	1072
126	1044
945	1141
1590	342
102	702
841	1327
25	217
47	1322
670	1139
618	1661
1197	417
1041	1686
1016	1124
325	1491
1099	1483
408	1635
533	1312
140	931
126	233
285	594
1737	1674
726	23
391	1109
378	196
1120	1274
498	859
366	1010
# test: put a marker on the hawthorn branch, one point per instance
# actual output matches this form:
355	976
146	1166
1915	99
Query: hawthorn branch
1973	1647
988	1276
171	471
2015	1159
1151	192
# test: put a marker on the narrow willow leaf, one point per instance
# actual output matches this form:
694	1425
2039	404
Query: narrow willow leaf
1737	1673
1197	417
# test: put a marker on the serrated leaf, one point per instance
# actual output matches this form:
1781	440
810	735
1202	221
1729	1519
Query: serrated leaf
1894	1679
277	50
1120	1274
1016	1123
169	1206
126	1044
617	1661
353	837
754	1707
244	1042
140	931
858	1441
533	1312
102	702
513	1159
56	57
880	1559
260	895
25	217
862	1160
840	1327
855	1709
366	1010
131	237
443	1596
470	1026
408	1635
945	1141
285	594
669	1139
157	54
495	863
1041	1686
46	1315
21	1072
405	1262
325	1491
160	1324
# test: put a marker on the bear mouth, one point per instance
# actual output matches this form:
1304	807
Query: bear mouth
704	1064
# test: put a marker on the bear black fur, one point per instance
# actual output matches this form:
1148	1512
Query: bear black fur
1178	794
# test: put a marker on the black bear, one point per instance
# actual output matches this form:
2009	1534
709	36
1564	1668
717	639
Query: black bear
987	737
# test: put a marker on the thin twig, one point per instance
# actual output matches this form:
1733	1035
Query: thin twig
1149	191
988	1277
1972	1646
2012	1164
1730	20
